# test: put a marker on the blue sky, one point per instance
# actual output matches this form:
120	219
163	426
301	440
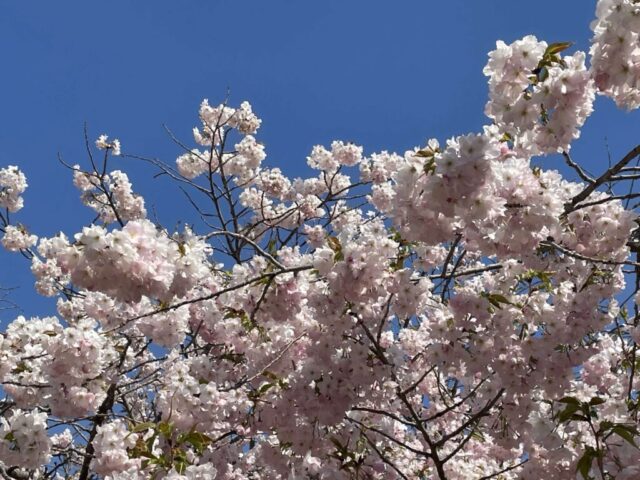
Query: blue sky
387	75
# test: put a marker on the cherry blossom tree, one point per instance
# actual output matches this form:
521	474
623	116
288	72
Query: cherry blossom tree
453	312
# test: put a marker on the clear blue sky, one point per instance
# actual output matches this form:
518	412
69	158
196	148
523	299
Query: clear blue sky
387	75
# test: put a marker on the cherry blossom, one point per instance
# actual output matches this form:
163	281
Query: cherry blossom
454	311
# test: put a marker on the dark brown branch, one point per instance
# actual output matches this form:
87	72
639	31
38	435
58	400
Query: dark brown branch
579	170
602	179
98	420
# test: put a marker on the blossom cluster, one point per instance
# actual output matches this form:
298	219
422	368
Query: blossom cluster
537	97
615	53
111	196
454	311
13	183
23	439
17	238
149	262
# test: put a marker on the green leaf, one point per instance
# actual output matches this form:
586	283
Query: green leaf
506	137
584	464
398	263
605	425
579	418
141	427
233	313
199	440
334	244
499	298
627	433
624	313
556	48
285	446
165	429
265	388
429	167
139	452
569	400
180	466
597	401
20	368
567	414
150	441
542	276
478	436
270	375
342	450
496	299
271	246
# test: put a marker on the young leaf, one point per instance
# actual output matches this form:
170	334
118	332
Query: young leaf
556	48
626	433
584	464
